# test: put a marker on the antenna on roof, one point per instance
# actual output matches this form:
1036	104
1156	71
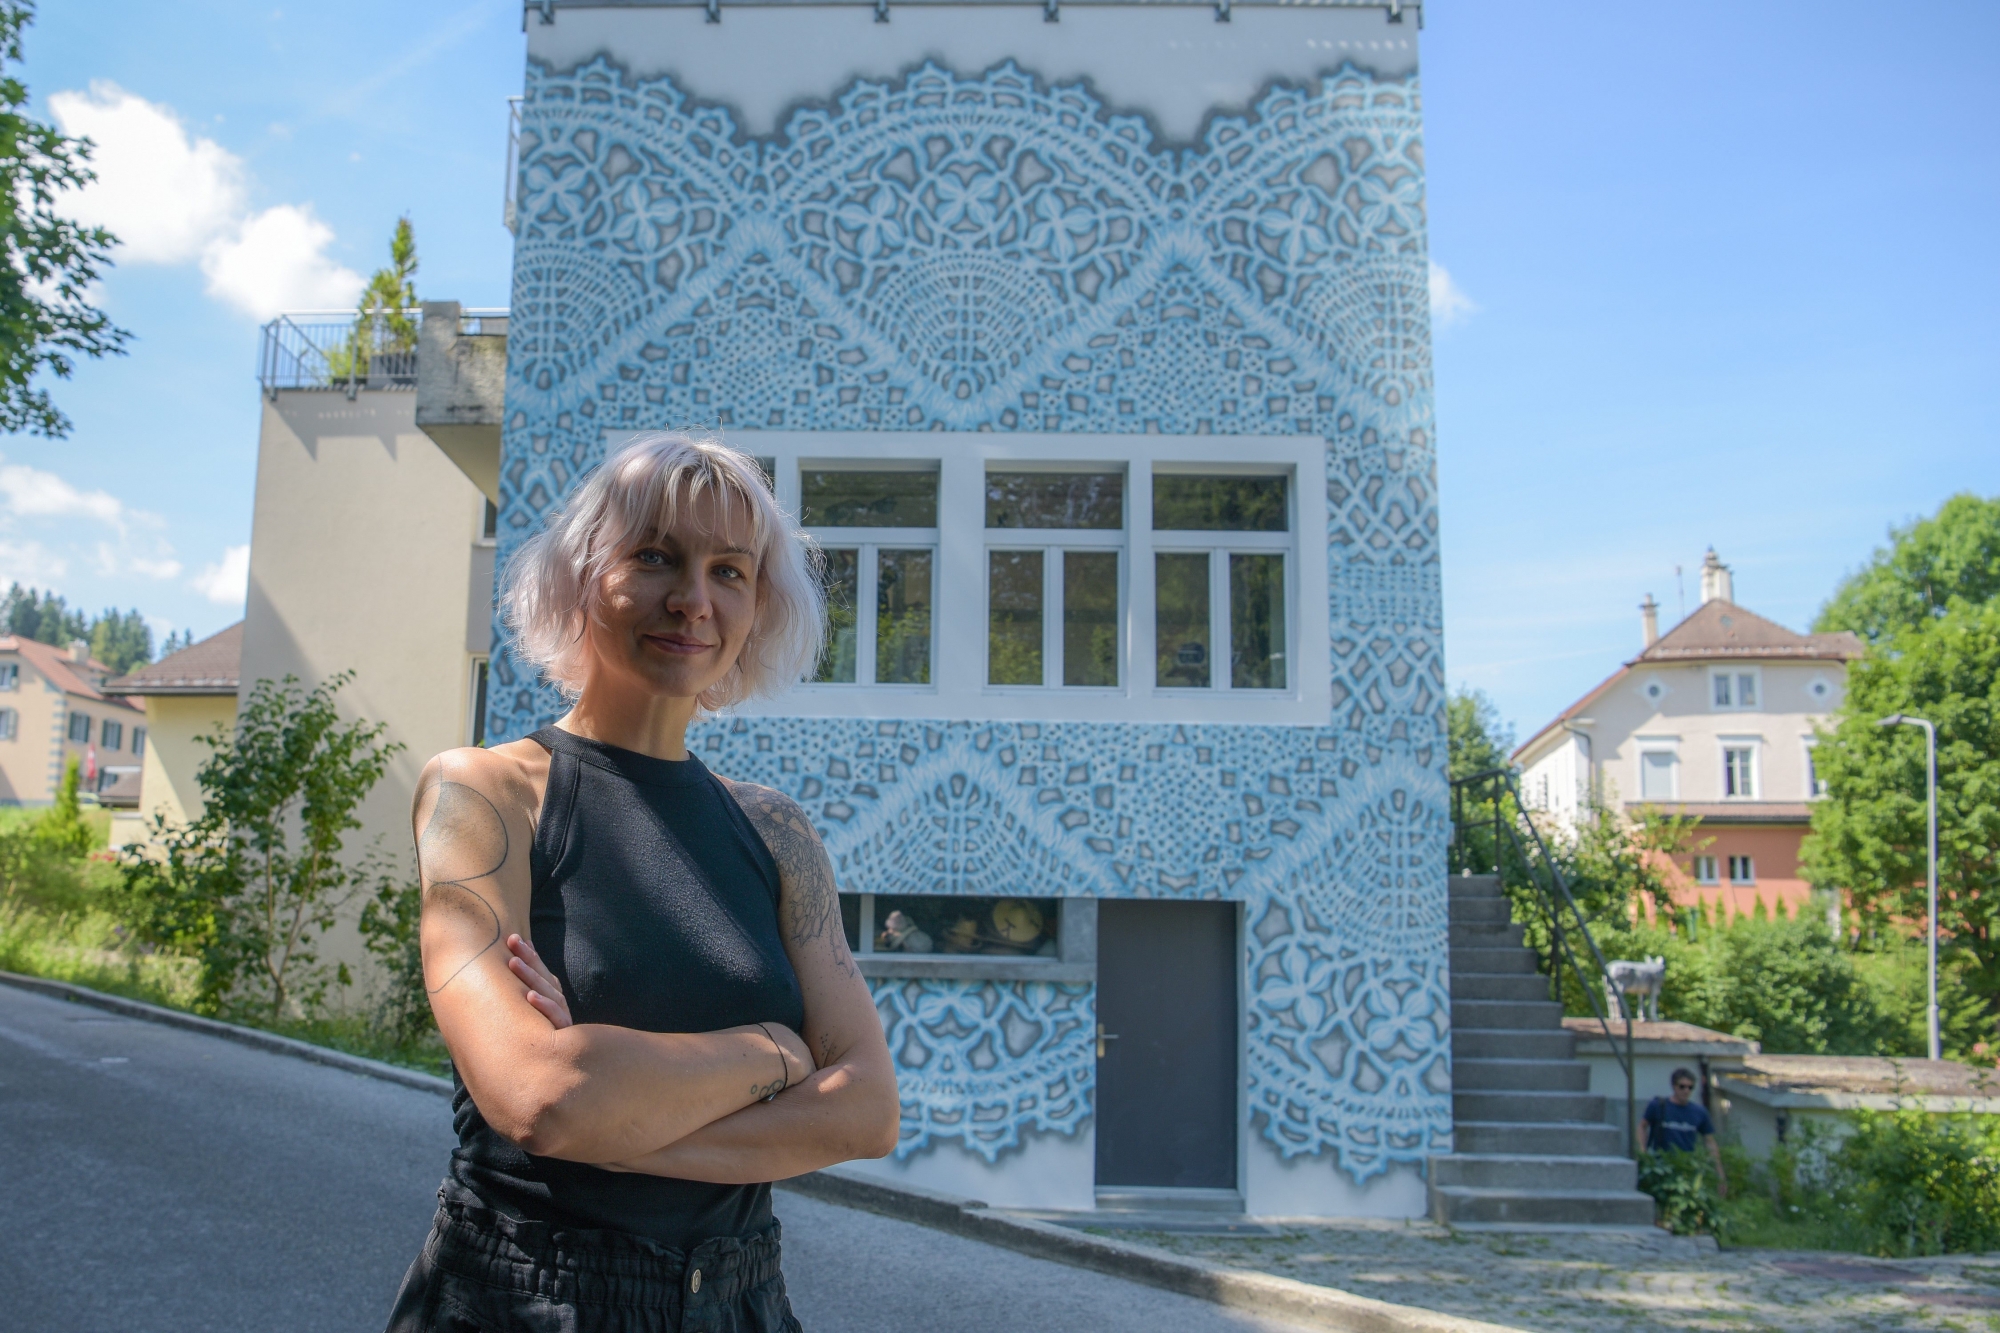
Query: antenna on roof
1680	597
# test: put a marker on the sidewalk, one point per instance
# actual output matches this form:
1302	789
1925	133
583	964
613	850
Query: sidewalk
1574	1283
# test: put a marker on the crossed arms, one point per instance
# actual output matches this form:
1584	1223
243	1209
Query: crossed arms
689	1105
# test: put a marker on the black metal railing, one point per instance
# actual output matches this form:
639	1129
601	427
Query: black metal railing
327	349
1493	834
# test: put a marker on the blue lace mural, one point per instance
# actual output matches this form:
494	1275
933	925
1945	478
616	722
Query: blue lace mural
950	252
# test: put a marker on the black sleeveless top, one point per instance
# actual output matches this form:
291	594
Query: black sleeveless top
656	905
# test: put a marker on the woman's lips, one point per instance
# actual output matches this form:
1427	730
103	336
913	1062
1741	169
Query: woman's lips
678	645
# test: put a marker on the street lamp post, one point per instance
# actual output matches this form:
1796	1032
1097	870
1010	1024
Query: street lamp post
1930	787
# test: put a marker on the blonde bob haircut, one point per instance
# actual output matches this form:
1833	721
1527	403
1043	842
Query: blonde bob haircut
642	492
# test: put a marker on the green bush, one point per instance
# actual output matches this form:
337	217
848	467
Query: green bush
1924	1184
1683	1185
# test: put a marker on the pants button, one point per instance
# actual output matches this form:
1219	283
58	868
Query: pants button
694	1281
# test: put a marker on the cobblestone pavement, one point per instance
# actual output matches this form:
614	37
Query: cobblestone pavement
1556	1283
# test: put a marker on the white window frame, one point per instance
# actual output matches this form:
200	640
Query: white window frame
70	728
958	689
10	676
1219	545
10	724
1749	863
868	543
1735	675
1052	543
1755	746
104	739
1815	784
139	741
1669	746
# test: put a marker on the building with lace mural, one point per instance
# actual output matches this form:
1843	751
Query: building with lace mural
1091	343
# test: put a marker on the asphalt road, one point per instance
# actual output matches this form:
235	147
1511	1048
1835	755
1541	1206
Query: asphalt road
155	1180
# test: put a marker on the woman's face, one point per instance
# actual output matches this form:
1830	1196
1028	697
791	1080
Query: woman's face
675	612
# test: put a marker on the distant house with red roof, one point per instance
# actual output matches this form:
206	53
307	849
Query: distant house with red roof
187	695
1714	718
53	705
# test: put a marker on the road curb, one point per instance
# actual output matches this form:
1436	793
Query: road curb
215	1027
1255	1293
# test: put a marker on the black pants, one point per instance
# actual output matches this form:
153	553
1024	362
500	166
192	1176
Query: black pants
483	1272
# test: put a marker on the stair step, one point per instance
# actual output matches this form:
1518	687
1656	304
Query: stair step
1513	1075
1486	935
1501	958
1532	1015
1533	1171
1512	1044
1523	1107
1498	986
1473	883
1483	1137
1480	910
1605	1208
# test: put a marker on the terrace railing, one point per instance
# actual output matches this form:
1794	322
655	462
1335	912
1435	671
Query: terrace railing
350	351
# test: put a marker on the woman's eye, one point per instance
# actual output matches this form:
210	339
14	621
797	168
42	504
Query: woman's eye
655	558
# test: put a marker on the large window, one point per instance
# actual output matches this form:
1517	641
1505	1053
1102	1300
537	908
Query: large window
1656	775
1219	580
1734	691
878	527
1054	600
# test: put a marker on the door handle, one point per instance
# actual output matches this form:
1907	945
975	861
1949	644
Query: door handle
1102	1037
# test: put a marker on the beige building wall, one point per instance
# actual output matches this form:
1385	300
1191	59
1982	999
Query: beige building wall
365	547
173	756
31	763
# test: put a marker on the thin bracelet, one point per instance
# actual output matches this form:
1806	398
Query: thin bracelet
784	1068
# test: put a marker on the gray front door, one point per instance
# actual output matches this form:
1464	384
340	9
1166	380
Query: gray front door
1166	1081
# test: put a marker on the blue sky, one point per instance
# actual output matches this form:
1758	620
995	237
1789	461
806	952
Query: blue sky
1718	274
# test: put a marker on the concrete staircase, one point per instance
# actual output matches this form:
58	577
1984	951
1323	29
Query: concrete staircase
1532	1148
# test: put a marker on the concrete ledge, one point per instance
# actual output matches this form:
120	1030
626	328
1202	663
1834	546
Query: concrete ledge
1279	1298
264	1041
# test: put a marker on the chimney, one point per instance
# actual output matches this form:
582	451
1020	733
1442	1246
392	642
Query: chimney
79	651
1649	620
1716	582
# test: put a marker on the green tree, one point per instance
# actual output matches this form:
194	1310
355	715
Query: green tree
251	886
1479	737
50	261
175	641
1955	553
382	326
1868	835
41	616
121	641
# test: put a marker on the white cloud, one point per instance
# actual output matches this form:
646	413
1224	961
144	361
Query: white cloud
1449	303
156	569
30	492
228	580
171	196
164	193
29	562
277	261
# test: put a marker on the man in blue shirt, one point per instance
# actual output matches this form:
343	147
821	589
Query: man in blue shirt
1676	1124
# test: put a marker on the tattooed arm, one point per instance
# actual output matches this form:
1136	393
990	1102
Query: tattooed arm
848	1108
588	1092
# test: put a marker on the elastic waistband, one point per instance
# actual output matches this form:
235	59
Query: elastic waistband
585	1266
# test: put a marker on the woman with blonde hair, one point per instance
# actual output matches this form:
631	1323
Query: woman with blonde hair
638	966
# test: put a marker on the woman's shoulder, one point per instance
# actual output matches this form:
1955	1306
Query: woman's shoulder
761	803
516	768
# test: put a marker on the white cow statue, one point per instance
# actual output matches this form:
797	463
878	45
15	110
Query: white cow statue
1641	979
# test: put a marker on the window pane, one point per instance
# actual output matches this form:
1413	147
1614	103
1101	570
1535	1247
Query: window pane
1014	617
868	499
1219	504
1180	621
769	467
1055	500
903	617
1257	622
1090	617
1722	691
843	589
1746	691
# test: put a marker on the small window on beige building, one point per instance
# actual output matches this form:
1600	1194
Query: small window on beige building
1656	775
10	724
113	737
1739	772
10	675
139	740
79	728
